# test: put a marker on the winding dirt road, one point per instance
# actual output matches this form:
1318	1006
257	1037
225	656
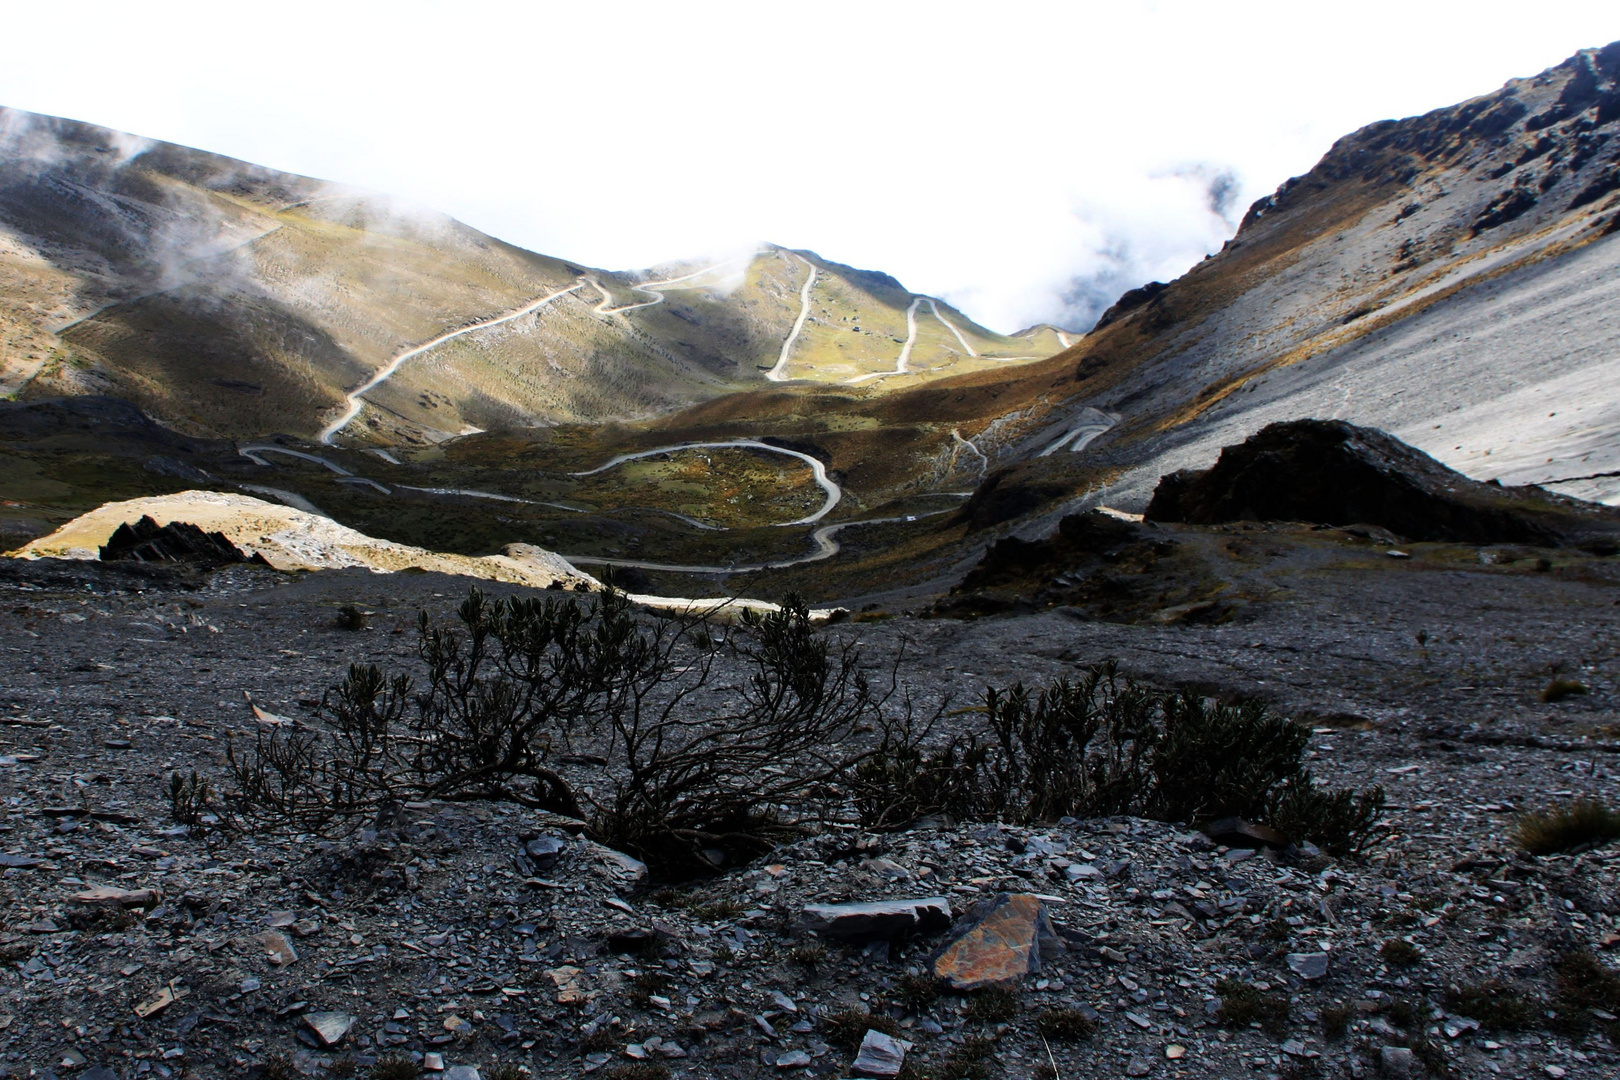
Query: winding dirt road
984	462
951	327
355	403
817	469
902	365
778	373
823	538
653	287
1082	435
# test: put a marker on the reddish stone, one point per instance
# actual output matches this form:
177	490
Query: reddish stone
1002	944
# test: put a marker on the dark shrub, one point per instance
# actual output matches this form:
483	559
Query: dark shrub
1242	1005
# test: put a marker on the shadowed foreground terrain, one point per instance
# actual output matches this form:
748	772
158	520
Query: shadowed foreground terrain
446	932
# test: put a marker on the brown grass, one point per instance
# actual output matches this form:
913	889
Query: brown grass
1582	823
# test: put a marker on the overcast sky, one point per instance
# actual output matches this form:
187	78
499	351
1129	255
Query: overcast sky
1028	161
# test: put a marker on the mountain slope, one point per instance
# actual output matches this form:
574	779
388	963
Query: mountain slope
229	299
1453	278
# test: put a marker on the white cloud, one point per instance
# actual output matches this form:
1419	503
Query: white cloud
1012	157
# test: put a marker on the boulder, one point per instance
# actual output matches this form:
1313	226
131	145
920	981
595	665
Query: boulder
1001	941
1333	473
887	919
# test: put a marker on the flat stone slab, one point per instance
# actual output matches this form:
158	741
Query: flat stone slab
883	919
1004	942
1309	966
329	1027
107	894
881	1055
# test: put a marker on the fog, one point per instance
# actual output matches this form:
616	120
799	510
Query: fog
1028	162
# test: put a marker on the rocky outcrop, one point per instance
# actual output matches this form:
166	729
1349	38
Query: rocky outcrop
178	542
1334	473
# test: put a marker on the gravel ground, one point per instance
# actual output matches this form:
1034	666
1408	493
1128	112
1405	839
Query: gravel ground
443	937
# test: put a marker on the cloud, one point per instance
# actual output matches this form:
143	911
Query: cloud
1020	160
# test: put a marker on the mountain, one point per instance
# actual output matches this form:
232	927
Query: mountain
226	299
1452	278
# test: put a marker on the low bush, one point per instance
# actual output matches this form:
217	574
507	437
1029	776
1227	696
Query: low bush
1564	828
351	617
1065	1025
1400	953
510	689
1105	746
1495	1004
992	1005
1242	1004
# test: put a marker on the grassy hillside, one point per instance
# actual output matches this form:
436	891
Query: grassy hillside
230	300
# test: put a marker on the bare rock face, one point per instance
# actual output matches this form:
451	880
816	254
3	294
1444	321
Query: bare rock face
1002	943
178	541
1334	473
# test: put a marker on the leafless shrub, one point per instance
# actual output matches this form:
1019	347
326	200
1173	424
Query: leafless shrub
520	678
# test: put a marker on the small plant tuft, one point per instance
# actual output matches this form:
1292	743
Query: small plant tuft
992	1005
809	957
1583	822
645	984
848	1027
1494	1004
351	617
597	1041
1584	986
1336	1020
394	1067
972	1060
188	796
278	1066
1242	1004
503	1070
1403	1014
916	992
1560	688
1065	1025
638	1070
1400	953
